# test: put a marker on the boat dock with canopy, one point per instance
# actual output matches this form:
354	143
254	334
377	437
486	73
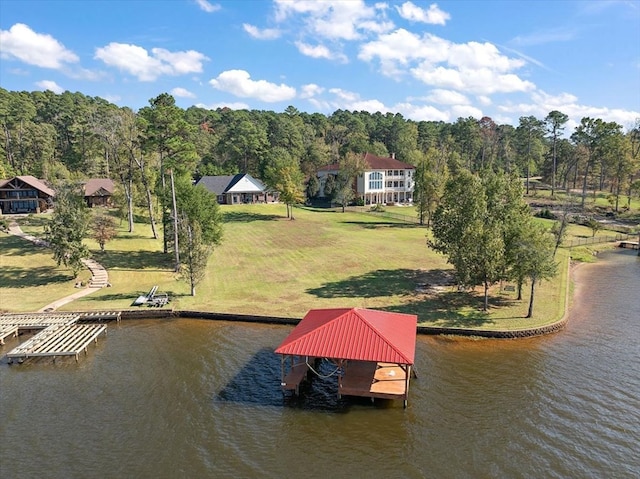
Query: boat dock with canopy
373	351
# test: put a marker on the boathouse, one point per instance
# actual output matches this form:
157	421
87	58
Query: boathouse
373	351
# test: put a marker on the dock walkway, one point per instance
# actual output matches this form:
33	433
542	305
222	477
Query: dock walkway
60	334
67	340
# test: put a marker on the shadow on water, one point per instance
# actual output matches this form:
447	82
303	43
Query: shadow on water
245	217
258	384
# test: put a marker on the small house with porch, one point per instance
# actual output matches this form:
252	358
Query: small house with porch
24	194
238	189
98	192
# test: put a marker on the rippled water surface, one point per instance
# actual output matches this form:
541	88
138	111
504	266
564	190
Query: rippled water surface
192	398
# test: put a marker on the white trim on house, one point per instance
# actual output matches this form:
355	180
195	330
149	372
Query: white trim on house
386	181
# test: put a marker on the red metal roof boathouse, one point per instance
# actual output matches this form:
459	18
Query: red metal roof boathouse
373	350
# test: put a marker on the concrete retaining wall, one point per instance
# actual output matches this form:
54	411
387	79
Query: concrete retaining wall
150	313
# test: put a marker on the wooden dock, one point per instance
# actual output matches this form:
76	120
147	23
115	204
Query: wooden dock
66	340
60	334
374	380
295	376
6	331
100	316
37	320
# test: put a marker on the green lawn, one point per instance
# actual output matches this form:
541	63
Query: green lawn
268	265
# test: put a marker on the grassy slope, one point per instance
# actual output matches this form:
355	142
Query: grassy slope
272	266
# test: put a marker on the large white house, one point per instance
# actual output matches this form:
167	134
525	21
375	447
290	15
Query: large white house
385	180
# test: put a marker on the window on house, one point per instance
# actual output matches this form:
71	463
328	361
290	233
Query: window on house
389	184
402	184
401	172
395	184
375	180
389	172
395	172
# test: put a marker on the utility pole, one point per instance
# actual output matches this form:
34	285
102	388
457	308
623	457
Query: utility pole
175	222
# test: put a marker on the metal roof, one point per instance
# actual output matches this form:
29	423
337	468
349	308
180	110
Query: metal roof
225	184
355	334
376	163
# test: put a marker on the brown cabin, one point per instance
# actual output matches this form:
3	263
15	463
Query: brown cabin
24	194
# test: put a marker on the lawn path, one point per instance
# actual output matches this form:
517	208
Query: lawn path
99	275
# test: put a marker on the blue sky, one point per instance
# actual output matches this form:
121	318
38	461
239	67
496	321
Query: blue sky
425	60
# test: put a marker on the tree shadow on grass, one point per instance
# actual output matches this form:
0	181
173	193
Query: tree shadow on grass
380	224
245	217
16	246
148	261
16	277
383	282
451	308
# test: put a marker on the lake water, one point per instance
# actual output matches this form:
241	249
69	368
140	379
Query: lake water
193	399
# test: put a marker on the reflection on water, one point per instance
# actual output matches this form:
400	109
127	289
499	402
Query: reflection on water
191	398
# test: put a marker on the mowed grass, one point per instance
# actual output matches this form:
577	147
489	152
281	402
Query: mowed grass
29	277
269	265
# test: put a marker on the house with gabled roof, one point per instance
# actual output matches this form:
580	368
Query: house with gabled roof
238	189
384	180
98	192
25	194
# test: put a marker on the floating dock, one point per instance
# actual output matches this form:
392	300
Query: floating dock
60	334
67	340
6	331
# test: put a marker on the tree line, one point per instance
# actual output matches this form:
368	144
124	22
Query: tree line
156	153
70	135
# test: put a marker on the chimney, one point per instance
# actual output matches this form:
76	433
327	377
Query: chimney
393	155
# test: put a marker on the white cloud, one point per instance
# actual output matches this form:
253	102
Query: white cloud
239	83
433	15
182	93
230	105
477	68
484	100
447	97
310	90
332	19
42	50
465	111
262	34
421	112
148	67
483	81
542	103
319	51
208	6
50	85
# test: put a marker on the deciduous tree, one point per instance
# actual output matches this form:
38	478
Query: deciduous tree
67	229
104	229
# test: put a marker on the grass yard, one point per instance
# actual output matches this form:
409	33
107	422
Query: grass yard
269	265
